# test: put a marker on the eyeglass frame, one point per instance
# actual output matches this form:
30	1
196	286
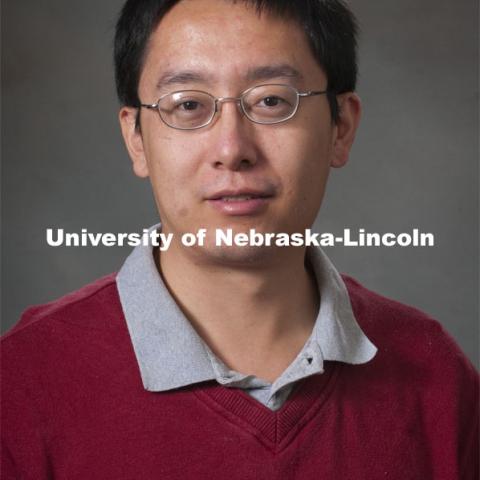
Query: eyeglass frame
238	100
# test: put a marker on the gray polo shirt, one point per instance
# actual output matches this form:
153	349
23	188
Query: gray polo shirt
171	354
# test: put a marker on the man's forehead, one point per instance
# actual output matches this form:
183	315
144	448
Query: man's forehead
191	45
223	25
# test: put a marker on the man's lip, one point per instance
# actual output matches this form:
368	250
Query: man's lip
240	193
240	205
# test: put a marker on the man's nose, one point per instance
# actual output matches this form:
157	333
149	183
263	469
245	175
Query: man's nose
235	138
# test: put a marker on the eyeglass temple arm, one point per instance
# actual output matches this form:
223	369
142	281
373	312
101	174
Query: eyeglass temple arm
314	92
151	106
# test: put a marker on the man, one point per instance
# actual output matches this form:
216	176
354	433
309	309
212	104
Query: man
235	361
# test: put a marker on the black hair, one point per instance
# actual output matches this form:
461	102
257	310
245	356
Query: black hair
330	26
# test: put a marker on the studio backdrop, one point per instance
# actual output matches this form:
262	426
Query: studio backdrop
414	164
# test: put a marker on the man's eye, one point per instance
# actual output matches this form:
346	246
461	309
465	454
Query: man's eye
188	105
271	101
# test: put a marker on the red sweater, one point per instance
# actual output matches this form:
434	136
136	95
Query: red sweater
74	406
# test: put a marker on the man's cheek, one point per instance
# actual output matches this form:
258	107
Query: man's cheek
178	202
183	212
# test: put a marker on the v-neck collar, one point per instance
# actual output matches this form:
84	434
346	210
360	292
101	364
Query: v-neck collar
274	429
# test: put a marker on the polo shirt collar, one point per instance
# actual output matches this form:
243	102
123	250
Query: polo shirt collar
171	354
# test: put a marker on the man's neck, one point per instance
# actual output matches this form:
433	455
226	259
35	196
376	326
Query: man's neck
256	320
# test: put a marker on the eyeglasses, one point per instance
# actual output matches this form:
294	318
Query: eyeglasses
264	104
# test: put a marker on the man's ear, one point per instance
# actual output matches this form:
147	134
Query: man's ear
132	136
350	110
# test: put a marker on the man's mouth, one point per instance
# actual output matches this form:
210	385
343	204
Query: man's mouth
239	198
240	203
241	194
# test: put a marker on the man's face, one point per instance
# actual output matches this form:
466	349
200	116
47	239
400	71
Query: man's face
233	173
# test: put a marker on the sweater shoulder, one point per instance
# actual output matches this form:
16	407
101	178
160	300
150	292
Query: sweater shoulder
82	305
375	310
403	332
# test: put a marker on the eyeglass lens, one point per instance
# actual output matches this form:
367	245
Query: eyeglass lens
263	104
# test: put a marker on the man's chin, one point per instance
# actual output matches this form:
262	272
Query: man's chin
236	256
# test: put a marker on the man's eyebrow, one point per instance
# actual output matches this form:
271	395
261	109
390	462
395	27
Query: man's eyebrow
267	72
181	78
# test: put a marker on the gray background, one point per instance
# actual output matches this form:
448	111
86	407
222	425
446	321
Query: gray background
414	163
